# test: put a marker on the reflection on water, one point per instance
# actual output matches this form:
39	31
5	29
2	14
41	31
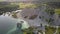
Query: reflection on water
6	24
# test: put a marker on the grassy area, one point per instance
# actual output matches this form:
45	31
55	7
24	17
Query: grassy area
49	30
58	31
31	30
27	5
48	10
22	5
2	6
28	31
8	7
57	11
40	31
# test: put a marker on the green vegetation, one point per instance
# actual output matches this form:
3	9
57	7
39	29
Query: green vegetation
22	5
57	11
50	11
28	5
40	31
49	30
50	20
29	30
7	7
58	31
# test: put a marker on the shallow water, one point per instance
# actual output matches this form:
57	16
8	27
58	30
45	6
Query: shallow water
6	24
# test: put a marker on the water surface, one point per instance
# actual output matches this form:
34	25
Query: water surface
6	24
